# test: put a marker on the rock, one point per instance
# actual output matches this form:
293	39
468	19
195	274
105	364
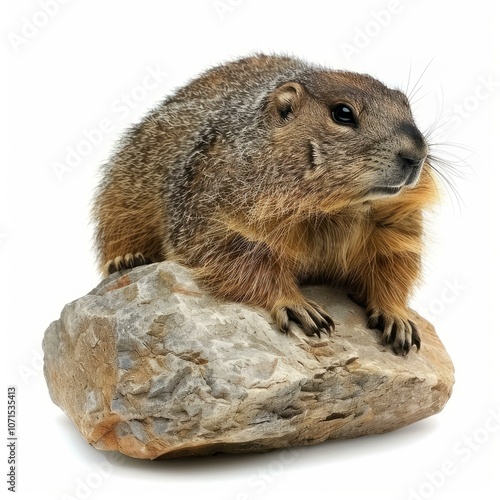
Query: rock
150	365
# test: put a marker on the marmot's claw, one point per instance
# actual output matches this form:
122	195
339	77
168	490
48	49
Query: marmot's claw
308	315
127	261
397	331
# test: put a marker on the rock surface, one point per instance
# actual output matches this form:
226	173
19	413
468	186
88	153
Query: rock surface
149	365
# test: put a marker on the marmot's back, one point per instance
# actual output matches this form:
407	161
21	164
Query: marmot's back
266	172
130	207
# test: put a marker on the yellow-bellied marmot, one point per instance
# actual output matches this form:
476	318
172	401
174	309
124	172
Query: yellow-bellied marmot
269	172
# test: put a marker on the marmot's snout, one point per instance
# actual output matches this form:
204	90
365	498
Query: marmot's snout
413	148
411	152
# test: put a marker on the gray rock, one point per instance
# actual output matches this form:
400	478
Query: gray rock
150	365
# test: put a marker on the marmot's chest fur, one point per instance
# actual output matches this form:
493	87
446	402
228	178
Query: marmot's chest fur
267	172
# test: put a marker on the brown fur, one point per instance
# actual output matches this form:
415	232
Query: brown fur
244	176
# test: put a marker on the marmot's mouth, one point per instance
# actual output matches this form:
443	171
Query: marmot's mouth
409	182
386	190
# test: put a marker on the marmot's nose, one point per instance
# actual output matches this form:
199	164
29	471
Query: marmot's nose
412	148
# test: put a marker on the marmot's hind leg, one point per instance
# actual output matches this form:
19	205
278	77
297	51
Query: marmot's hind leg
127	261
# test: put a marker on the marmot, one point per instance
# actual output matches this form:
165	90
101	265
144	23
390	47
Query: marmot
267	173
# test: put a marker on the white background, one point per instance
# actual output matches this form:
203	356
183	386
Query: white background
71	72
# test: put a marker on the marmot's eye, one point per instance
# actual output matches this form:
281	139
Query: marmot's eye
343	114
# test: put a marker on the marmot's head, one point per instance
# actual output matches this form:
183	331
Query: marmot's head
345	138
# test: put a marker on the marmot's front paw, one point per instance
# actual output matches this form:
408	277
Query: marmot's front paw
399	332
127	261
308	315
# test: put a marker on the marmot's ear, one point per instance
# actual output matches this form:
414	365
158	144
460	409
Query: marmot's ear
286	101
